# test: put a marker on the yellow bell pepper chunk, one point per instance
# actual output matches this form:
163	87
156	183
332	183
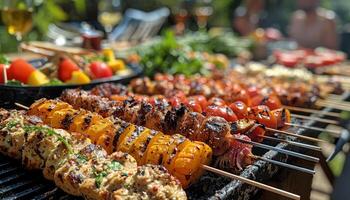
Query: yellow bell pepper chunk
116	65
109	54
37	78
79	77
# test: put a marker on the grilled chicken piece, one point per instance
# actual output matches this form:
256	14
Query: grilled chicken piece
61	154
40	145
112	174
12	136
78	168
154	183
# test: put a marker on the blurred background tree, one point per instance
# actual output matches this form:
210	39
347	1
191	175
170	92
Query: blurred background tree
53	11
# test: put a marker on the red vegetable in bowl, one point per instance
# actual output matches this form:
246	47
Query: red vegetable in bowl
100	70
65	69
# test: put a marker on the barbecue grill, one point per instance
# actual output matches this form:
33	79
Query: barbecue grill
18	183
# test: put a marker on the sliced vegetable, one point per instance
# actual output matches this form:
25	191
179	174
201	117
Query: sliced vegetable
78	77
37	78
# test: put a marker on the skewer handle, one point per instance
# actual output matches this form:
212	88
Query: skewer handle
253	183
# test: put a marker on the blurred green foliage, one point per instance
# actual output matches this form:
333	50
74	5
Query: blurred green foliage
51	11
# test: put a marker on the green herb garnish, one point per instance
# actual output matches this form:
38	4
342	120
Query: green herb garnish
49	132
12	124
99	178
81	158
115	165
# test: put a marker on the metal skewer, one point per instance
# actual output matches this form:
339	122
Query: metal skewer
333	105
284	151
294	167
308	110
328	121
251	182
295	135
315	128
298	144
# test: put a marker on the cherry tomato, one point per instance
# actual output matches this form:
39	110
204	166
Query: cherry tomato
240	109
221	111
100	70
20	70
200	99
271	101
263	115
282	116
256	133
65	69
194	106
176	101
216	101
253	91
241	95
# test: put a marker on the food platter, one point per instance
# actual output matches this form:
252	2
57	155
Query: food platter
28	94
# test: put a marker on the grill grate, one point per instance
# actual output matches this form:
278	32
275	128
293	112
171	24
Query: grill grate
17	183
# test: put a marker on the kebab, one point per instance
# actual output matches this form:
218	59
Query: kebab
191	124
79	167
279	118
233	86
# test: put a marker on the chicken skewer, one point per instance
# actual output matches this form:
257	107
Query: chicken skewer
79	167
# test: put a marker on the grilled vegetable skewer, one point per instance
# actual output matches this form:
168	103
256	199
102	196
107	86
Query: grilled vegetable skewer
79	167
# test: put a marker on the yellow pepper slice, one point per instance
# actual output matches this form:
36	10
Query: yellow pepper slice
37	78
79	77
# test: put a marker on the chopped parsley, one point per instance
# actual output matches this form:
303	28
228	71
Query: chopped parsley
12	124
49	132
99	178
81	159
115	165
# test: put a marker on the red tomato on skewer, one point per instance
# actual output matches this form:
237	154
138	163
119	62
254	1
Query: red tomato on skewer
221	111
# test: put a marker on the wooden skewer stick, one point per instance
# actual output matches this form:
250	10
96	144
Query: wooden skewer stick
4	74
295	135
253	183
313	111
330	105
334	102
282	164
284	151
22	106
298	144
328	121
337	99
337	133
